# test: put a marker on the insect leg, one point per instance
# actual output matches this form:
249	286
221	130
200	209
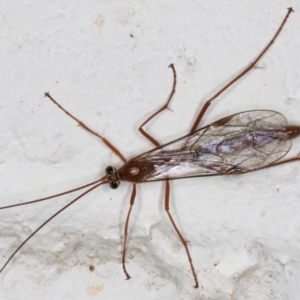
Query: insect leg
105	141
142	131
133	194
292	159
244	72
167	197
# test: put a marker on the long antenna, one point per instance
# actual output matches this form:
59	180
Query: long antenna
52	196
103	180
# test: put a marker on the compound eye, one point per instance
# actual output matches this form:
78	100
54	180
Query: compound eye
114	184
110	170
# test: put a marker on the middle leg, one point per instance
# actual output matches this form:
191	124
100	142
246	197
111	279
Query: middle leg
183	241
142	131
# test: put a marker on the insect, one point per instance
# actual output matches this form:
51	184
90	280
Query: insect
236	144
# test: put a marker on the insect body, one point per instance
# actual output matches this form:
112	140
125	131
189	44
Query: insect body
237	144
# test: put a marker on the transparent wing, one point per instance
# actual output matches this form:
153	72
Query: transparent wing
239	143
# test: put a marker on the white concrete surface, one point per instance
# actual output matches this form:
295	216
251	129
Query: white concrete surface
106	62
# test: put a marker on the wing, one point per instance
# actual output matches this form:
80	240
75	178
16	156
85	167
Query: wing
239	143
